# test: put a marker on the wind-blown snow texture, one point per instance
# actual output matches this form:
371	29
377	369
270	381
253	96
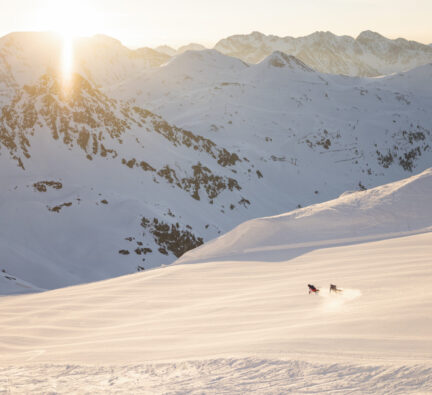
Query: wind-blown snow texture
247	325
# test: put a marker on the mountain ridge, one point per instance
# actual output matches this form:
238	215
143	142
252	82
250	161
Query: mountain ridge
370	54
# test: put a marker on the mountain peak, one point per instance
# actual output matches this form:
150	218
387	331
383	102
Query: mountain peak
104	39
369	35
165	49
280	59
204	60
27	36
322	35
191	47
257	34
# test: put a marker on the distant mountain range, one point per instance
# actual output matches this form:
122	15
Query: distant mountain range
148	156
370	54
172	52
105	61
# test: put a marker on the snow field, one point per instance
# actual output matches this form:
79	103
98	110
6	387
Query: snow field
233	327
219	376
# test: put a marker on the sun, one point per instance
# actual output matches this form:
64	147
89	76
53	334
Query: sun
69	19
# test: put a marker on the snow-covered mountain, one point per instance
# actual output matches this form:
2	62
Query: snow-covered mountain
135	165
234	322
370	54
283	116
24	57
167	50
88	182
190	47
105	61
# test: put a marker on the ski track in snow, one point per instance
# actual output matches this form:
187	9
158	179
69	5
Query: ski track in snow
338	302
219	376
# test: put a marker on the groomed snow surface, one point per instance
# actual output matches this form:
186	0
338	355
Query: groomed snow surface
245	325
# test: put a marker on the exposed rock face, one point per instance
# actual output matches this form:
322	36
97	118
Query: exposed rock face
48	130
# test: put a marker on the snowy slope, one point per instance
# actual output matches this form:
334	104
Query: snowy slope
392	210
246	325
370	54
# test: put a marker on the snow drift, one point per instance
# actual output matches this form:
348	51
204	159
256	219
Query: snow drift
395	209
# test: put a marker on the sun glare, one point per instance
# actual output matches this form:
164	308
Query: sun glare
67	58
70	20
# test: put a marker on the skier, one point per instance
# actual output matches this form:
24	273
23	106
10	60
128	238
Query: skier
334	288
313	289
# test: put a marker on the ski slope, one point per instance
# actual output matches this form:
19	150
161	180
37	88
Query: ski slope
232	325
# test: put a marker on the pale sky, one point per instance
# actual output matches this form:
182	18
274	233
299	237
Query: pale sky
138	23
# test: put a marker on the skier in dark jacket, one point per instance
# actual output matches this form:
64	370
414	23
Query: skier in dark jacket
334	288
313	289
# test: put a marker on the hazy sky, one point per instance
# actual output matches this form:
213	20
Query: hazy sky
173	22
